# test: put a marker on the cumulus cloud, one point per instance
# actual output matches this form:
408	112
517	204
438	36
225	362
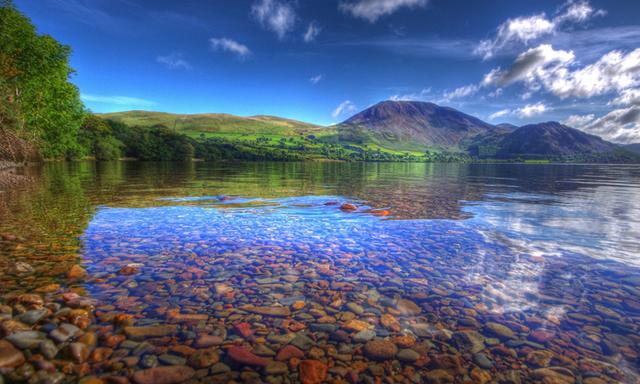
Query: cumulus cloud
117	100
174	61
620	125
522	30
627	97
274	15
372	10
461	92
500	113
313	30
345	108
229	45
422	95
316	79
531	110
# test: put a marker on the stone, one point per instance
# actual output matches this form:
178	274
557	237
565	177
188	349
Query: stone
288	352
26	339
276	368
542	336
348	207
141	333
48	349
408	307
380	350
302	341
480	376
364	336
356	325
468	341
79	352
33	316
207	341
438	376
268	311
76	272
482	360
540	359
242	355
170	359
500	331
65	332
219	368
164	375
390	322
553	375
10	356
312	371
408	355
355	308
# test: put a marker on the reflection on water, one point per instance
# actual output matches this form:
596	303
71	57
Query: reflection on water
493	271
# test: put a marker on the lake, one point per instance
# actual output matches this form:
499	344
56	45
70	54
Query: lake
259	272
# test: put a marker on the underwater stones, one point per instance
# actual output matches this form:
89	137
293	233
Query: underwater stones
407	307
141	333
276	368
79	352
129	269
242	355
540	359
408	355
356	325
76	272
500	330
542	336
302	341
348	207
553	375
164	375
482	360
10	357
312	371
355	308
33	316
206	341
380	350
364	336
470	341
288	352
390	322
438	376
268	311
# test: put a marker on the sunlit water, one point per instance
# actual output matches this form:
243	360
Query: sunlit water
551	247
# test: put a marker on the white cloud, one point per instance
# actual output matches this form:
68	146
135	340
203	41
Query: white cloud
274	15
313	30
346	107
316	79
372	10
578	121
627	97
522	30
531	110
117	100
619	125
174	61
423	95
229	45
501	113
461	92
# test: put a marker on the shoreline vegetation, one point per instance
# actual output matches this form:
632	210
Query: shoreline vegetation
42	117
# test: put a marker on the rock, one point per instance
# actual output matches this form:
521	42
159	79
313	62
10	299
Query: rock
480	376
312	371
128	270
364	336
355	308
348	207
302	341
219	368
79	352
408	307
438	376
468	341
356	325
408	355
542	336
268	311
10	357
243	356
263	350
33	316
149	361
169	359
553	375
48	349
390	322
244	330
482	360
207	341
76	272
288	352
164	375
26	339
500	331
540	359
65	332
141	333
276	368
20	267
380	350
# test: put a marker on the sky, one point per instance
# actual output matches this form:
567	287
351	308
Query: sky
321	61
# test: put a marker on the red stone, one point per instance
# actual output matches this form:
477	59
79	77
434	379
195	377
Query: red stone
312	371
244	356
289	352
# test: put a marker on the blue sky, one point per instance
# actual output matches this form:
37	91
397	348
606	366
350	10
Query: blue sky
320	61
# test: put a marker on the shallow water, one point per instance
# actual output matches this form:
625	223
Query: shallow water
549	252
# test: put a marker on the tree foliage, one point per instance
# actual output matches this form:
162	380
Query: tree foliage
37	99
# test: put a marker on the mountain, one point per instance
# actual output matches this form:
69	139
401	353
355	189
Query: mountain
632	147
411	123
551	139
214	123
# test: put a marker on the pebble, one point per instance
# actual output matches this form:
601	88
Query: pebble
164	375
312	371
380	350
408	355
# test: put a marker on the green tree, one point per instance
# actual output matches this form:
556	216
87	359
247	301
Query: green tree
96	138
38	100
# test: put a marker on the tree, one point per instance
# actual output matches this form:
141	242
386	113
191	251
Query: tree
39	102
96	138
